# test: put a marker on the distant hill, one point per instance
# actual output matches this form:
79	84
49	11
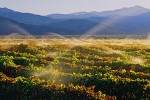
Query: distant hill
126	25
125	21
131	11
77	26
8	26
25	18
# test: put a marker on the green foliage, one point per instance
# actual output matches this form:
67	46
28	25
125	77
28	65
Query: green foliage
74	72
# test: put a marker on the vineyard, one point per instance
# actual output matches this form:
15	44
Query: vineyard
70	69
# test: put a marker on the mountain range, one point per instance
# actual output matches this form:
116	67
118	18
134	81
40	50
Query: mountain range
125	21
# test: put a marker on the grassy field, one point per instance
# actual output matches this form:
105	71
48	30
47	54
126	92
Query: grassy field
75	69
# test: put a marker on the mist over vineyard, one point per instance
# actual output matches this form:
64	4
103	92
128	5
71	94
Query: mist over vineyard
75	69
76	56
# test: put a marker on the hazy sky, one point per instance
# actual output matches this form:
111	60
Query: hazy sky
44	7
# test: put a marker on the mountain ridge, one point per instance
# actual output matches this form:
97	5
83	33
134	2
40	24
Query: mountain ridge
131	11
26	18
136	24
